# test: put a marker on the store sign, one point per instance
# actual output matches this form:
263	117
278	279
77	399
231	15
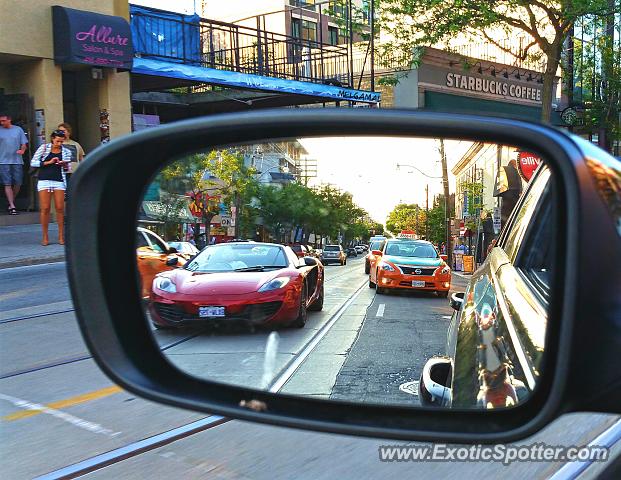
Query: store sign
494	87
527	164
497	220
480	84
89	38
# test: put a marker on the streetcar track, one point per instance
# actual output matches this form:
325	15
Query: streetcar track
148	444
80	358
36	315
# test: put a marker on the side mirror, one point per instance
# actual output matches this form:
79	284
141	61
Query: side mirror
434	388
172	250
457	300
444	257
171	262
377	253
309	262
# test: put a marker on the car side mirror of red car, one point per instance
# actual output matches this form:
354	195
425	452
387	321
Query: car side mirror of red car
377	253
444	257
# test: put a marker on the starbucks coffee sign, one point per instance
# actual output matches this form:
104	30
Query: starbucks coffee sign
494	87
482	85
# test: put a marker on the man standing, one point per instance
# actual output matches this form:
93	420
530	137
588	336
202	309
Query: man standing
12	146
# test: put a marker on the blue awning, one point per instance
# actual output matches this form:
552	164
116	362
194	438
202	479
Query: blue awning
147	66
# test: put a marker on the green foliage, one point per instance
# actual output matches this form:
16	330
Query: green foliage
419	23
324	211
406	217
212	178
474	192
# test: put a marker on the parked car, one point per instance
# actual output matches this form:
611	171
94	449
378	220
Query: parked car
359	249
370	259
505	299
153	256
256	283
333	254
186	249
351	252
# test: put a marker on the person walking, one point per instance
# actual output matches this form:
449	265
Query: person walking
76	149
53	161
13	144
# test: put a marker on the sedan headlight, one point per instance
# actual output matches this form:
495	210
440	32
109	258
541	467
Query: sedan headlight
445	270
387	267
165	284
274	284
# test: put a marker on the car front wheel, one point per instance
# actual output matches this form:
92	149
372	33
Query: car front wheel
300	321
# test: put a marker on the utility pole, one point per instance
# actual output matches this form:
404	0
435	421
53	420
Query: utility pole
447	213
427	212
372	45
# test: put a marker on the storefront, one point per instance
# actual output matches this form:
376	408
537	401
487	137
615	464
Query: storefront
444	82
66	61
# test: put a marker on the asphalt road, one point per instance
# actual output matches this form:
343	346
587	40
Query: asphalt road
57	408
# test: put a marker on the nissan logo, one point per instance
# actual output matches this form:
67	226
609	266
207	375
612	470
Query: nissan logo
418	271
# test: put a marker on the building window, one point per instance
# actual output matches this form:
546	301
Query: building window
333	33
304	29
307	4
296	27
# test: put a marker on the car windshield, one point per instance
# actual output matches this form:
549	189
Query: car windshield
376	245
411	249
238	257
331	248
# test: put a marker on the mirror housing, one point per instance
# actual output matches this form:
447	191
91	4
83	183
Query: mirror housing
457	300
444	257
172	250
171	262
309	261
103	272
377	253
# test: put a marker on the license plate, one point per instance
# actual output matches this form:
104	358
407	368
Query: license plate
418	283
205	312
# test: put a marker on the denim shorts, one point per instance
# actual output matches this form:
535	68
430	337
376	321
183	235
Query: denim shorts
11	174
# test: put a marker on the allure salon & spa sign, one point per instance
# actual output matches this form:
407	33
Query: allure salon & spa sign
488	86
89	38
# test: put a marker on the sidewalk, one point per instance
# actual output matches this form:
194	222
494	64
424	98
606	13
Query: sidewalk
21	245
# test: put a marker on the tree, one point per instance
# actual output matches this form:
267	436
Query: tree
594	78
209	180
406	217
547	23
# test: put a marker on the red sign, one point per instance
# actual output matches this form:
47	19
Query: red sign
527	164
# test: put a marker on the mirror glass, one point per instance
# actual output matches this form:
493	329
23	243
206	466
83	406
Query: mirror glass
380	270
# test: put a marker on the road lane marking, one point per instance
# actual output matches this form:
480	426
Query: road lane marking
380	310
69	402
66	417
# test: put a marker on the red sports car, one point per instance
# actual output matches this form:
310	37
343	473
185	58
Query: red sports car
256	283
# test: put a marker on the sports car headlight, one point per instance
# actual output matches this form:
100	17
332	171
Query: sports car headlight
445	270
165	284
274	284
387	267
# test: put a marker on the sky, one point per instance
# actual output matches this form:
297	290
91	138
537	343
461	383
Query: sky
367	168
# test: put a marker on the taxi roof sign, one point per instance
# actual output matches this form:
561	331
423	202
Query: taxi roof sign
408	234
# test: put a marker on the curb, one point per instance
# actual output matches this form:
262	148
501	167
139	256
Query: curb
25	262
462	275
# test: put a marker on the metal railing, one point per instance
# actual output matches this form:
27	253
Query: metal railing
239	48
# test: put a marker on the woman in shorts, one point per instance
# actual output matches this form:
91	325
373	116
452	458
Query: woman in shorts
53	161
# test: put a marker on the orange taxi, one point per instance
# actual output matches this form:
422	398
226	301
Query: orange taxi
153	256
375	243
410	264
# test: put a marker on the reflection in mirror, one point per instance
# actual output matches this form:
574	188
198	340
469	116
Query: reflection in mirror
385	270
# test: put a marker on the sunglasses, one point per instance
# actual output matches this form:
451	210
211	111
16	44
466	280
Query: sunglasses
59	133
